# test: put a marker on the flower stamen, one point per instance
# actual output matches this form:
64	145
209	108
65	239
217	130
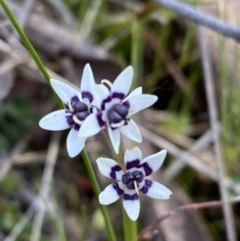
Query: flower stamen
116	125
70	105
76	120
136	187
107	82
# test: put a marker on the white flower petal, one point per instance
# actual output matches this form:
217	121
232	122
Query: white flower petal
131	204
88	81
64	91
91	125
155	190
102	97
153	162
123	82
137	91
74	143
55	121
110	168
140	102
111	193
132	155
131	131
115	138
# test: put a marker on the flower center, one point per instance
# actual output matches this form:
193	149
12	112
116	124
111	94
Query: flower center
117	115
129	178
79	110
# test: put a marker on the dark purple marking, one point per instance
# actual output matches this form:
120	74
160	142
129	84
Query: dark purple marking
101	122
113	116
79	106
76	127
134	163
70	120
138	176
86	94
118	95
75	99
128	197
148	170
108	99
114	170
146	186
82	115
93	109
127	104
118	189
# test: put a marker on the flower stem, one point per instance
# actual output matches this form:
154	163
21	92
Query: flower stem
44	72
97	191
130	228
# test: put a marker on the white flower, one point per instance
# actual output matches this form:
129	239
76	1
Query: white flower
130	182
78	107
115	109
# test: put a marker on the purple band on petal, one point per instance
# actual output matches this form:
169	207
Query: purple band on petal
76	127
134	163
118	189
118	95
148	170
101	122
75	99
127	104
86	94
108	99
146	186
128	197
69	118
114	170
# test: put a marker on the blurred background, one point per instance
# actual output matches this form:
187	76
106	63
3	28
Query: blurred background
166	53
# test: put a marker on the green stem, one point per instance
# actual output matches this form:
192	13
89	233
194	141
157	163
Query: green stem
130	227
97	192
43	70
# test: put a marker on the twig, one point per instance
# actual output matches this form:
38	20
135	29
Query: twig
27	60
64	12
8	162
60	40
209	86
89	18
188	207
202	18
202	143
188	158
29	158
46	183
25	14
22	222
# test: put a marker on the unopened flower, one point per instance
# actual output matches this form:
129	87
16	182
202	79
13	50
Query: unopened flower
132	181
115	109
78	107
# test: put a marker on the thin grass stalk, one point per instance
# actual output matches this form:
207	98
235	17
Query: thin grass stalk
43	70
96	188
187	207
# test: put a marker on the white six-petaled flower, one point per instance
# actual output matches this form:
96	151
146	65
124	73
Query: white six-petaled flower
129	182
78	107
115	109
